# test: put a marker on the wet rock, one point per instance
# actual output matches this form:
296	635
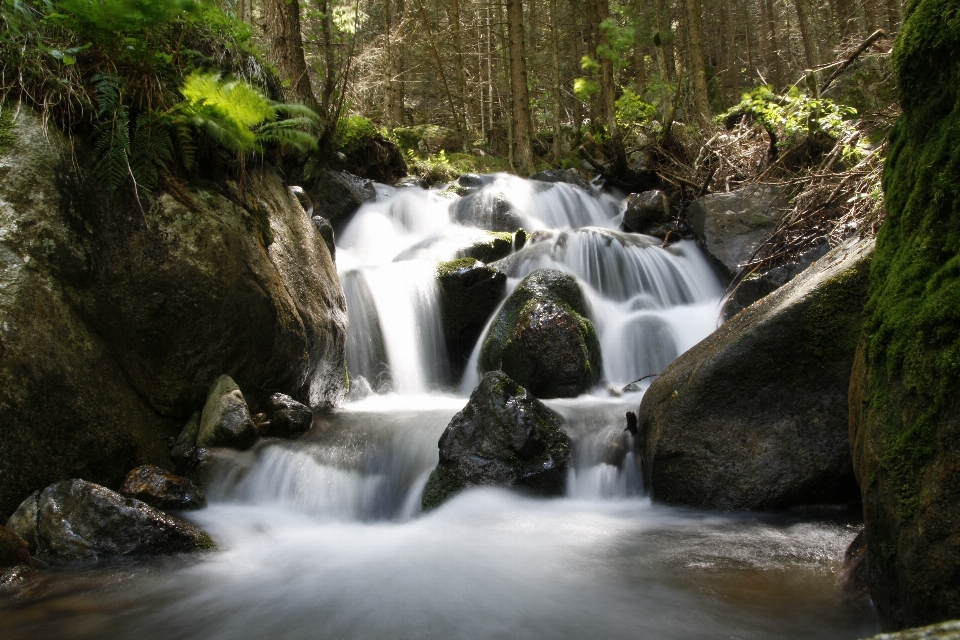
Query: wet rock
115	324
569	176
337	195
487	209
854	573
226	420
496	245
730	226
359	389
13	550
288	418
79	520
503	437
469	294
197	463
941	631
162	489
325	229
645	211
187	438
756	286
411	181
755	416
543	338
15	577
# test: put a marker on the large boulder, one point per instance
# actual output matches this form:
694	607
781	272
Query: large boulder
730	226
336	195
544	339
77	520
904	405
162	489
503	437
569	176
226	420
469	294
114	321
754	416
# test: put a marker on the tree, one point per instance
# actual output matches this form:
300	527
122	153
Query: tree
520	97
281	23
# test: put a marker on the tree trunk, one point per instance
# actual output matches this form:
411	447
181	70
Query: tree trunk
523	153
695	64
807	34
458	123
394	83
281	23
460	73
772	53
555	51
608	90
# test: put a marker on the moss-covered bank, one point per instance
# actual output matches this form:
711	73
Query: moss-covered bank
905	413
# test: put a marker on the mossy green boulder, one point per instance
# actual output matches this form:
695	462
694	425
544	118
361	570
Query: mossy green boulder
543	337
905	391
504	437
754	417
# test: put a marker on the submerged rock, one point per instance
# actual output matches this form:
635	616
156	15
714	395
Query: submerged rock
755	416
503	437
288	418
730	226
79	520
162	489
645	211
569	176
543	338
487	209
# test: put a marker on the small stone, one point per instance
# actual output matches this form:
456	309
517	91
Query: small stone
225	421
162	489
288	418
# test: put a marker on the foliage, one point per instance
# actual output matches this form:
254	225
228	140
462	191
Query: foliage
793	114
123	15
442	167
354	132
632	110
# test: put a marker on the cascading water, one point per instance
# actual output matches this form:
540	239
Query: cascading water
323	536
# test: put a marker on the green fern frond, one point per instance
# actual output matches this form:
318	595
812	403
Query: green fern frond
106	91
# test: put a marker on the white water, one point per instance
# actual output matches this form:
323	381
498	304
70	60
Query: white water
322	537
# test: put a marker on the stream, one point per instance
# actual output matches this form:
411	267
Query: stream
323	537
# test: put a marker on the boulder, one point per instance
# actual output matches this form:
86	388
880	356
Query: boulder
756	286
336	195
469	294
162	489
645	211
730	226
543	338
487	209
226	419
503	437
496	245
570	176
288	418
114	321
325	229
187	438
943	631
197	464
78	520
904	405
13	550
754	416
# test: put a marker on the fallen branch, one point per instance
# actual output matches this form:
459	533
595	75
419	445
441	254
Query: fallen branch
705	187
876	35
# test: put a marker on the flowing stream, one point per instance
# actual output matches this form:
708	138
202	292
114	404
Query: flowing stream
322	537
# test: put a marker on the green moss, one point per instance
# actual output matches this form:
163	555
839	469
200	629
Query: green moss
913	314
497	245
446	268
834	319
441	485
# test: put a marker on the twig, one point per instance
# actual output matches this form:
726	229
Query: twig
704	188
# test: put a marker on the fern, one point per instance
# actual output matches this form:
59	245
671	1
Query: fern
151	153
112	149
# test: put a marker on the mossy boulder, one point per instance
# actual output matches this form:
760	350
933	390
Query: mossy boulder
77	520
943	631
114	321
543	337
493	246
755	416
904	401
469	294
504	437
225	420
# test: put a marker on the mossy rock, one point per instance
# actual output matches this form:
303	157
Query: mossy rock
905	409
503	437
494	246
754	417
543	337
